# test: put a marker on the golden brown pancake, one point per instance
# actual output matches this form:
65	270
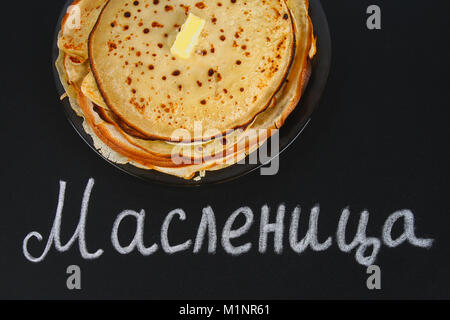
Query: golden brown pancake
120	141
237	66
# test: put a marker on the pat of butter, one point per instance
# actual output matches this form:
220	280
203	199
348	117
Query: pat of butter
188	37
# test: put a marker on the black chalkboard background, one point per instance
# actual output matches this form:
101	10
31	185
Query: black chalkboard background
378	141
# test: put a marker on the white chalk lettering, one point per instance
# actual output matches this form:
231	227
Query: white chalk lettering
55	233
310	240
228	234
208	224
138	240
408	234
165	233
276	228
360	239
366	248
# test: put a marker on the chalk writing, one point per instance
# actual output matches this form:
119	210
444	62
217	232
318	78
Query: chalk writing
367	248
55	238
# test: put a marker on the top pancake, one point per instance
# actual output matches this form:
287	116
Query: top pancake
237	66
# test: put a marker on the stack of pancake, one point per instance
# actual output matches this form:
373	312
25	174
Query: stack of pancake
145	106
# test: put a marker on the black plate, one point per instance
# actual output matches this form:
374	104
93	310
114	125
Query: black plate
290	131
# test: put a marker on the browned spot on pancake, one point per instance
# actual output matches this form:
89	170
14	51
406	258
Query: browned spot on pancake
151	67
156	24
129	80
203	102
127	14
112	46
186	9
176	73
200	5
136	3
139	107
277	13
199	83
146	30
168	8
281	43
211	72
222	37
155	2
